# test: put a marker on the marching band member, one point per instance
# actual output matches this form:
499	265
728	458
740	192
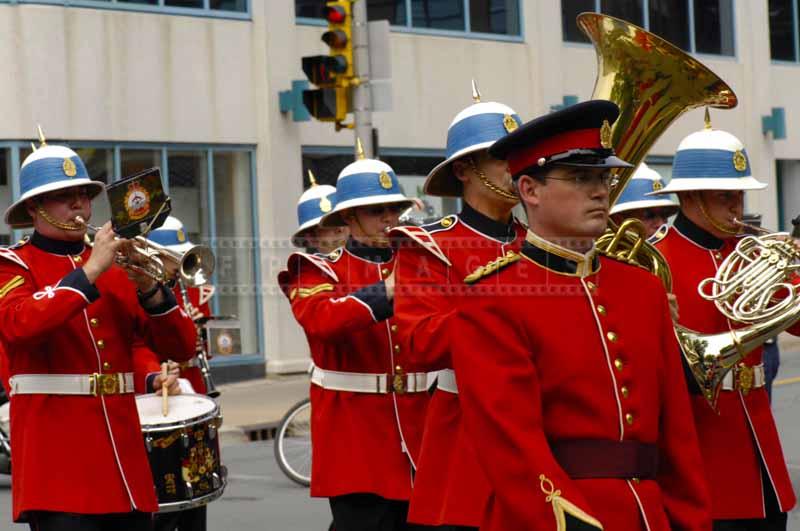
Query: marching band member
172	235
362	382
68	318
314	203
744	463
653	212
569	374
450	489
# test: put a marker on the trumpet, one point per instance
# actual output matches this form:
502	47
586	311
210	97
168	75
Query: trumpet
193	267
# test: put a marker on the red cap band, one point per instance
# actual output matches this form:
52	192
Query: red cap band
576	139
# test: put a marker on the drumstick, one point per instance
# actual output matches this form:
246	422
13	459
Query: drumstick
164	390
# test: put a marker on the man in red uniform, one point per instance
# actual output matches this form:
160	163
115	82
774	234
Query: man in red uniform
569	374
633	202
744	463
368	398
68	318
315	202
450	488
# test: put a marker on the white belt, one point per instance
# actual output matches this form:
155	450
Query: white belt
744	378
379	383
72	384
446	381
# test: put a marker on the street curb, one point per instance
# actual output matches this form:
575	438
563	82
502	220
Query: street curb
244	434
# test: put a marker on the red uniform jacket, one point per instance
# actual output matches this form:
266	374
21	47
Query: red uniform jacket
450	487
146	362
742	435
357	446
558	346
79	454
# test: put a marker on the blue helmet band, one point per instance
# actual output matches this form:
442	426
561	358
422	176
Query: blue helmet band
477	129
367	184
710	164
50	170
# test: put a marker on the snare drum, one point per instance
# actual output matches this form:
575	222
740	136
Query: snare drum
183	449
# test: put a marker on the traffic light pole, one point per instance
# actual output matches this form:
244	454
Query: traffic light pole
362	99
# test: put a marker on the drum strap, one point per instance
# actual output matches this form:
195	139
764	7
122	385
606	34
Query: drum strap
72	384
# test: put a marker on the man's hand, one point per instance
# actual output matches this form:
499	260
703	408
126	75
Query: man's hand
673	306
104	251
173	387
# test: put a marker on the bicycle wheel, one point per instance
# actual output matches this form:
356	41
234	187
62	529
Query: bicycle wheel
293	443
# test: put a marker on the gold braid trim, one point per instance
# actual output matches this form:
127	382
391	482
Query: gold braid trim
492	267
493	187
308	292
717	225
58	224
14	283
563	507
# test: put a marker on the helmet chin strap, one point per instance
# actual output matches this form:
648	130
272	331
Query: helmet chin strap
491	186
716	224
71	226
371	236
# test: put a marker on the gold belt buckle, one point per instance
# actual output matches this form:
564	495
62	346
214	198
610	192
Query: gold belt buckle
399	381
104	384
745	377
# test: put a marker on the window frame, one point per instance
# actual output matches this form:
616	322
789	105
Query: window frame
408	27
795	39
692	39
14	147
116	5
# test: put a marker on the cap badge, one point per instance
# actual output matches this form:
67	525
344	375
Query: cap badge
325	205
181	235
657	185
605	135
69	168
386	181
510	123
739	160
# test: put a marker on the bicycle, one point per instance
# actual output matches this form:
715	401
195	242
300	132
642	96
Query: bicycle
293	443
5	435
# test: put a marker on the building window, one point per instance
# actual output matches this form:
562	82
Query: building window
783	40
212	189
492	17
697	26
211	8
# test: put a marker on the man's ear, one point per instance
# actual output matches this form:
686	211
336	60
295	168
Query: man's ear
31	206
459	169
529	190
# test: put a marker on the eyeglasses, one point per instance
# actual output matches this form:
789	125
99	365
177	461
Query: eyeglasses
588	179
378	210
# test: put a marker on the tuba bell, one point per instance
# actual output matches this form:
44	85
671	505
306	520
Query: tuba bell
653	83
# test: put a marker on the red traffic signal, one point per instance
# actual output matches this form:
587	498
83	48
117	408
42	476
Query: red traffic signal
335	14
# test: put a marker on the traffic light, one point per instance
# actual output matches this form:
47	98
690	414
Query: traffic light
327	104
339	36
333	73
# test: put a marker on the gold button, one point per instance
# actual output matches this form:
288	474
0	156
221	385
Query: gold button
101	344
397	348
618	364
385	271
601	309
94	322
394	328
77	259
624	391
635	480
398	368
718	256
590	285
106	366
629	418
611	336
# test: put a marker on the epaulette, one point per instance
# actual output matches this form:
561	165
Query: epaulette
492	267
318	261
445	223
659	234
423	238
9	254
334	255
22	242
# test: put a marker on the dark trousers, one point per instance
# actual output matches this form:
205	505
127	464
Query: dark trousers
775	520
370	512
51	521
189	520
